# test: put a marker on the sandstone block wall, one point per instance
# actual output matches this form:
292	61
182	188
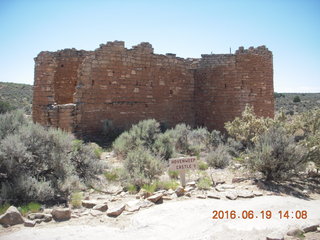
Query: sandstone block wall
82	91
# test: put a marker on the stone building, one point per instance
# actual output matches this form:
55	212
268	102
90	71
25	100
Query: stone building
85	92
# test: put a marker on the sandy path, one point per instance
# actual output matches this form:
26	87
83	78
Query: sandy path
190	219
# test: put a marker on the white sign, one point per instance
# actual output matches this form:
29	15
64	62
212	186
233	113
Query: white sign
184	163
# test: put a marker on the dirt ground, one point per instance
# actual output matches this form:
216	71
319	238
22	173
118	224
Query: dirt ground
189	219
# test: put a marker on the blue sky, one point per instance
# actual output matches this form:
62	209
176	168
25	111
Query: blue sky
289	28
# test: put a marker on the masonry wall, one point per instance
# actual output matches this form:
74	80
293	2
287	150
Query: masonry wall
225	83
83	91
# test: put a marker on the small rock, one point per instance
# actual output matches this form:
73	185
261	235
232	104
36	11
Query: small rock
38	221
179	191
191	184
170	192
312	228
161	191
33	216
231	195
88	204
201	196
275	236
227	186
116	211
61	214
144	194
47	211
146	204
155	198
167	198
133	206
188	194
257	193
245	194
29	223
11	217
238	179
47	217
101	207
95	213
189	188
213	195
295	232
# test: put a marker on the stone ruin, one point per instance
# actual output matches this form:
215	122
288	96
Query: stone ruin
85	92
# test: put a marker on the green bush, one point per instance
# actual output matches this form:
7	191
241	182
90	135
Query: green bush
143	134
112	175
276	155
173	174
76	199
220	157
31	207
3	208
172	184
142	167
41	164
5	107
204	183
132	189
163	146
248	127
203	166
296	99
150	188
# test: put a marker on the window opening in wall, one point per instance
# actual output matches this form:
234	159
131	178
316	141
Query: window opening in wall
225	85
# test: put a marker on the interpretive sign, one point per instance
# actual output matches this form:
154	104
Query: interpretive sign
182	164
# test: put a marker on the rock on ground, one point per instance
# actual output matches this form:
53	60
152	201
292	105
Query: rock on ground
11	217
61	214
116	211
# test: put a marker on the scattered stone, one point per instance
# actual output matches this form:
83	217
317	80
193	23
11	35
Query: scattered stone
201	196
191	184
160	191
231	195
146	204
95	213
224	187
144	194
47	217
133	206
179	191
312	228
74	216
213	195
188	194
295	232
170	192
116	211
85	213
257	193
29	223
245	194
189	188
275	236
61	214
88	204
11	217
47	211
101	207
33	216
238	179
167	197
38	221
318	229
155	198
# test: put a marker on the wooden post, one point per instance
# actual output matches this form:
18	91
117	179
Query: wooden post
183	178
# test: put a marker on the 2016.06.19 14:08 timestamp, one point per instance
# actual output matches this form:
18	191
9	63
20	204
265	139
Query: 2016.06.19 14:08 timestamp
264	214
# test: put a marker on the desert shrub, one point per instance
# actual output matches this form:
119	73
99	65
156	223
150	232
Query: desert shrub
204	183
199	138
143	134
132	189
172	184
4	207
31	207
150	188
216	138
276	155
11	122
113	174
235	148
76	199
5	107
248	127
203	165
296	99
36	163
219	158
173	174
308	121
142	167
180	135
312	143
163	146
